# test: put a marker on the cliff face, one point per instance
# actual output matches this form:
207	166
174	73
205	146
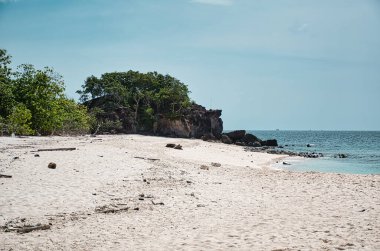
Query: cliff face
195	122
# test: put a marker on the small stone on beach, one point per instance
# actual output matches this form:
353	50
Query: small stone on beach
52	165
204	167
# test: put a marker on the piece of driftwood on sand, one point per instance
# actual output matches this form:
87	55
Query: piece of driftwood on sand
57	149
27	229
5	176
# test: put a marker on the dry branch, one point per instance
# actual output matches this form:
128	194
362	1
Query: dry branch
57	149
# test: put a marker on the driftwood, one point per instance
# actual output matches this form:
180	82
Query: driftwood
57	149
157	203
152	159
5	176
27	229
111	210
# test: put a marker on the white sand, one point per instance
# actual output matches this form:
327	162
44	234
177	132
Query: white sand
242	205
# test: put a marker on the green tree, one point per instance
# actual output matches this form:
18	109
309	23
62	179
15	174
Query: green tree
74	118
7	100
147	94
19	121
40	91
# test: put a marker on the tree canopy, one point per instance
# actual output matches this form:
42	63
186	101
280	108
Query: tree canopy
32	101
148	95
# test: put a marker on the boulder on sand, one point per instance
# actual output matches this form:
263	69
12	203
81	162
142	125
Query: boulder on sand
249	139
269	142
236	135
226	140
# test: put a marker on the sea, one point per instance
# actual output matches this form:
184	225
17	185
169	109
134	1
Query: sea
361	147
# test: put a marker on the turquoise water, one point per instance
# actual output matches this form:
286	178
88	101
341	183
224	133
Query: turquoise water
362	148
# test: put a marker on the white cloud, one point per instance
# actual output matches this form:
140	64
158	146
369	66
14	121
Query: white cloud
214	2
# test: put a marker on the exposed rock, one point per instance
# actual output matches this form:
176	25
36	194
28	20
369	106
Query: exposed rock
195	122
52	165
269	142
208	137
249	139
256	144
341	156
236	135
226	140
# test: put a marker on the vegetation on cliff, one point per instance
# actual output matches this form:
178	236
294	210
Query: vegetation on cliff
142	97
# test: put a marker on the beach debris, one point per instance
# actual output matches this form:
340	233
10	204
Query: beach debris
16	157
27	229
36	155
178	147
152	159
160	203
52	165
361	211
107	209
5	176
174	146
57	149
201	205
286	163
216	164
204	167
19	225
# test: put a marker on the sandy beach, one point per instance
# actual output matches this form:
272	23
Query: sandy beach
130	192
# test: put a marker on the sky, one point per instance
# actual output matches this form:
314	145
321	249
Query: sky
284	64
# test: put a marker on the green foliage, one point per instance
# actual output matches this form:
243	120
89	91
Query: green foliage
74	118
7	100
19	121
40	94
148	95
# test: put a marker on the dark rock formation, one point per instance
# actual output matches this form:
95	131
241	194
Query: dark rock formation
341	156
195	123
236	135
208	136
249	139
269	142
225	139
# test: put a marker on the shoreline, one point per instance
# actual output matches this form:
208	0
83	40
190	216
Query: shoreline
130	191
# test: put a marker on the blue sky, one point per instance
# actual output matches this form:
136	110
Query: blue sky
287	64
